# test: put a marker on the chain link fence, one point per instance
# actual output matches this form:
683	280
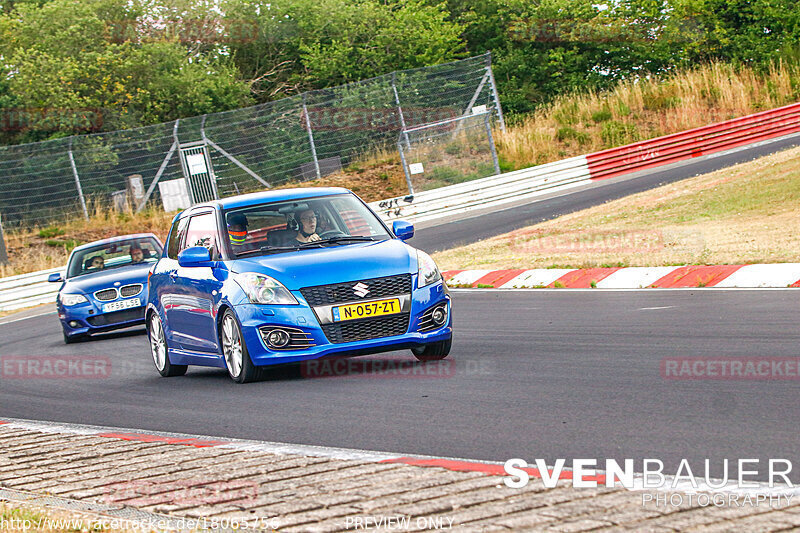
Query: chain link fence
449	151
289	140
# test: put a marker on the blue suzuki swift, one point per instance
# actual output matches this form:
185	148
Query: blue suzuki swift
291	275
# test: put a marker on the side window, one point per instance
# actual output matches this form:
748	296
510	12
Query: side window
176	236
202	231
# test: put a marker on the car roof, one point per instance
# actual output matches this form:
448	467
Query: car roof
246	200
116	239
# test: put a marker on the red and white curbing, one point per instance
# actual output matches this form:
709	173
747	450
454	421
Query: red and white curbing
490	468
672	277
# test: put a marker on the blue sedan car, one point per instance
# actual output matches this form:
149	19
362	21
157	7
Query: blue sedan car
287	276
105	286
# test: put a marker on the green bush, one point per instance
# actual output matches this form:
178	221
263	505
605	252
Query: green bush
49	233
602	115
616	133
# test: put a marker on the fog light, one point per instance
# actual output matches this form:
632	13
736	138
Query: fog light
278	338
73	324
439	315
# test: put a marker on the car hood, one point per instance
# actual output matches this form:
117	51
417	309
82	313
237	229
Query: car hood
336	264
89	283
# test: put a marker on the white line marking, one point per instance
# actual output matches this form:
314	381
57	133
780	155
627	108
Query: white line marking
655	308
27	317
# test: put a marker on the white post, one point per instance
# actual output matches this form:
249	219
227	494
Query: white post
311	138
77	181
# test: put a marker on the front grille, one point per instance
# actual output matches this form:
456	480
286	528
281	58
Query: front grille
130	290
106	295
343	292
299	339
360	330
117	317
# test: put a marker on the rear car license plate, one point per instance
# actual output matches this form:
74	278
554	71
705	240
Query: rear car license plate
122	304
367	309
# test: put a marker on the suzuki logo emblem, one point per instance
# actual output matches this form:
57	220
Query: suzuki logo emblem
360	289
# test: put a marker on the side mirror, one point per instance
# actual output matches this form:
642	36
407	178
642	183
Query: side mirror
196	256
55	277
404	230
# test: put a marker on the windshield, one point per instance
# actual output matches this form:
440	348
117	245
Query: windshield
290	225
114	255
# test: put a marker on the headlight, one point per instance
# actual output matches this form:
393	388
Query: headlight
261	289
72	299
428	271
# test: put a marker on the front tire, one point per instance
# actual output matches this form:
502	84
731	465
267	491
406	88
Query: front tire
159	351
237	359
433	352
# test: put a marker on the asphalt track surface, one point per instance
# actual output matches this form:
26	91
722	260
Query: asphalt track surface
442	235
533	374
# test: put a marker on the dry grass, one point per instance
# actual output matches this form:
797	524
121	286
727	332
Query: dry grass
644	109
744	214
43	248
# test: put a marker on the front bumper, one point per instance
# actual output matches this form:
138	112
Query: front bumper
88	318
253	318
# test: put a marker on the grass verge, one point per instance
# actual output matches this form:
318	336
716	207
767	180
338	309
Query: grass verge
739	215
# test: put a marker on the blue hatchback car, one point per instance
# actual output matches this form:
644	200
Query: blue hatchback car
105	286
287	276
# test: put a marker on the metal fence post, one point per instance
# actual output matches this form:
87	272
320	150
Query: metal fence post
494	92
400	111
311	137
491	142
77	181
3	251
405	168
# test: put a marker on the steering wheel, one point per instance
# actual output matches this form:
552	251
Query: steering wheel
331	233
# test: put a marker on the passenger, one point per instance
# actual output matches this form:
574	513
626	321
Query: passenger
94	263
308	226
137	255
237	231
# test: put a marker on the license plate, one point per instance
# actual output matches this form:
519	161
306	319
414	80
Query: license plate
365	310
122	304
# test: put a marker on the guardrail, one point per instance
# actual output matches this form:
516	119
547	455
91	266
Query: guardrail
26	290
695	143
486	192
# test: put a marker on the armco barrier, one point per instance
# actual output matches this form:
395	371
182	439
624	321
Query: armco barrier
26	290
494	190
31	289
694	143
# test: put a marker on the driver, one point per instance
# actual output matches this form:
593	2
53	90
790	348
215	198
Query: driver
308	226
94	263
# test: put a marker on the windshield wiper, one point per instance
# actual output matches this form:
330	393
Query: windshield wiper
303	245
345	238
